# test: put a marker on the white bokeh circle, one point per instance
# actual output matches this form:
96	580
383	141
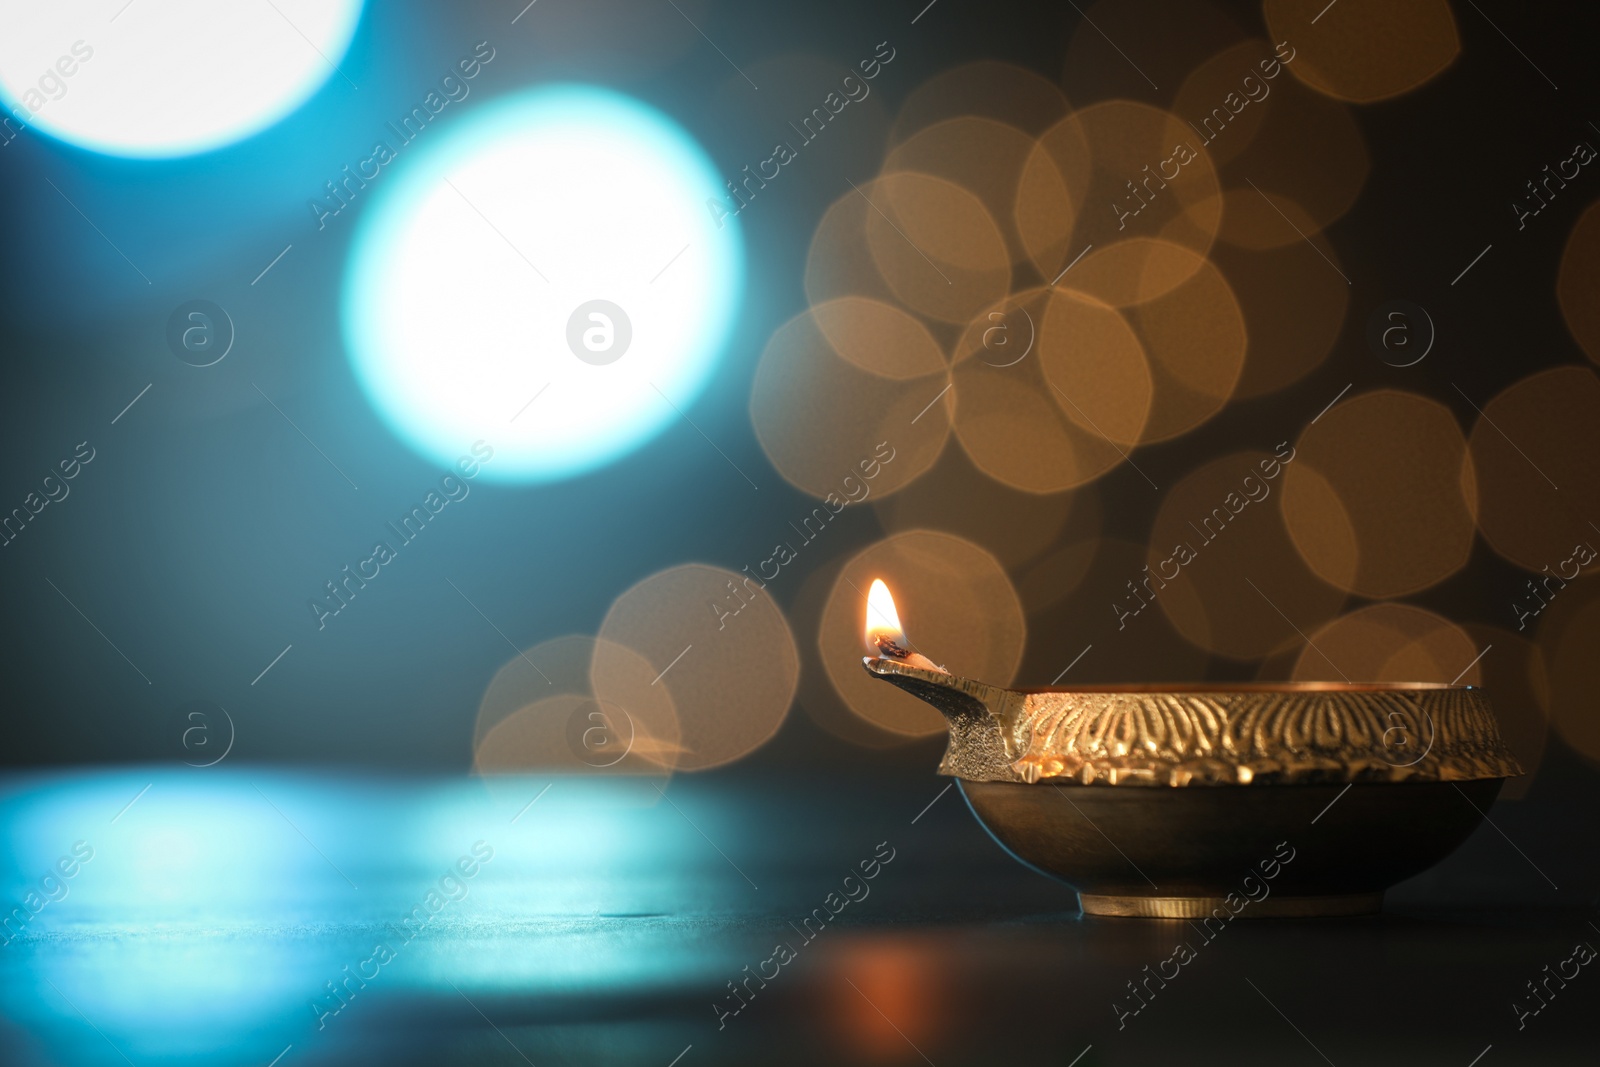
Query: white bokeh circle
477	251
157	78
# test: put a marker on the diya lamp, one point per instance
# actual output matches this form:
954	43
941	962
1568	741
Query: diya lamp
1162	800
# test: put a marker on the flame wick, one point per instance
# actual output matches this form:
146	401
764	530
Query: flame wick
889	647
886	636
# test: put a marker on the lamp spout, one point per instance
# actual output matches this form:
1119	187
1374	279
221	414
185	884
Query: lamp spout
985	721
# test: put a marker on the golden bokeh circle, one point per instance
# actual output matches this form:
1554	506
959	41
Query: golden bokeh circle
1095	367
1112	171
1305	150
1221	565
1381	497
985	88
1195	338
1255	221
540	713
839	263
1366	50
955	497
983	156
1009	415
1578	283
1050	193
572	733
958	608
820	417
1294	304
879	338
1390	642
1534	449
1185	316
936	245
723	652
1224	99
1133	270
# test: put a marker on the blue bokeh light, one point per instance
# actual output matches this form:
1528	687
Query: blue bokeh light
546	277
168	79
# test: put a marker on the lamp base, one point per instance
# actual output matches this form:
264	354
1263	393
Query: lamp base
1275	907
1278	851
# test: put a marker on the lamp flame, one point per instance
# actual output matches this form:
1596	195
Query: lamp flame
883	621
885	638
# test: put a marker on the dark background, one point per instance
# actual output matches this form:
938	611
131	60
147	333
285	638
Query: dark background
221	899
205	521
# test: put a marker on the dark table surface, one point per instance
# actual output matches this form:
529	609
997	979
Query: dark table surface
235	917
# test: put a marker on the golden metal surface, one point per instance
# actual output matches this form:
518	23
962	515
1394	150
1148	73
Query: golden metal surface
1201	907
1302	799
1256	851
1207	735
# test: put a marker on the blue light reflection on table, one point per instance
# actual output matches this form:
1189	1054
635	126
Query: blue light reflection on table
216	908
221	907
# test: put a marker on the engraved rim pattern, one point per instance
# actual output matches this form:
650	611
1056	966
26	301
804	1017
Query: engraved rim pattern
1198	735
